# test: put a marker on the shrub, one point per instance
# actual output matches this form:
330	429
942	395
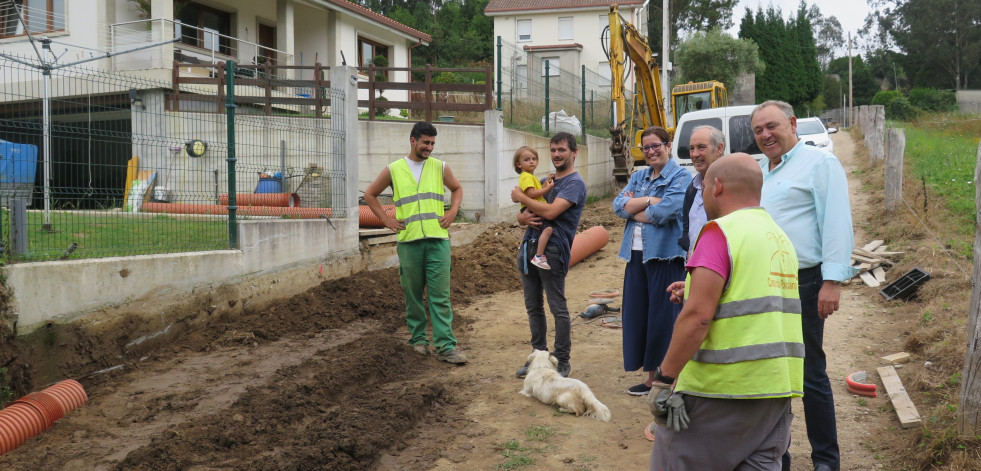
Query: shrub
886	97
446	77
930	99
901	109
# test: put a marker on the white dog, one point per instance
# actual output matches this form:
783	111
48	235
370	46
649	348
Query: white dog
544	383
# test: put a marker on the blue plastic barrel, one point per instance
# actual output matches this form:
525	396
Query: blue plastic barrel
269	185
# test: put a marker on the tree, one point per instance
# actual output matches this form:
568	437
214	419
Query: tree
828	36
809	83
687	15
787	48
716	56
864	86
462	34
941	39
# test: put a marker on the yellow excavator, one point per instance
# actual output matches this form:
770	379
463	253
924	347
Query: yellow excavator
627	45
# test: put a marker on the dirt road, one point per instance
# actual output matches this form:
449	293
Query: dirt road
325	380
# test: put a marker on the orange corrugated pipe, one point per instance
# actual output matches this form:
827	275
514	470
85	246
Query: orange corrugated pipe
262	199
366	218
217	209
34	413
587	243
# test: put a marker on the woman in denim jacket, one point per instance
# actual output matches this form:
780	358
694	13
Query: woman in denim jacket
651	203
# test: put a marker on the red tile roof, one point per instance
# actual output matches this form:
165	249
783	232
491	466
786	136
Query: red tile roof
362	11
502	6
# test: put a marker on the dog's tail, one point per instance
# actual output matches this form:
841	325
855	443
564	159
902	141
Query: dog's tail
596	409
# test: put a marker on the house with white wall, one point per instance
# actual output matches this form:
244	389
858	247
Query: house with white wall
567	33
251	32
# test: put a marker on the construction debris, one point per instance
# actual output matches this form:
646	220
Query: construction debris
905	409
872	262
897	358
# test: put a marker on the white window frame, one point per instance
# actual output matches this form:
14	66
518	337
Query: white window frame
567	30
606	75
521	78
553	66
523	30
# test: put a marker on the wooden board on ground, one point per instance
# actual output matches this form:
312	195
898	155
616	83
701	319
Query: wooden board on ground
374	232
905	409
382	240
879	274
897	358
873	245
868	279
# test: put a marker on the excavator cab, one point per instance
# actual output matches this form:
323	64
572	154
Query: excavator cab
698	96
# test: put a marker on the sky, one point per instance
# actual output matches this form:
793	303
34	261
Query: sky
850	13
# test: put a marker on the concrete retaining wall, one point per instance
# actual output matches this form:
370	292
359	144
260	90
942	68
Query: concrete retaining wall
282	257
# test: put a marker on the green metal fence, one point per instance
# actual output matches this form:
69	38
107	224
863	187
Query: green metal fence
530	86
99	164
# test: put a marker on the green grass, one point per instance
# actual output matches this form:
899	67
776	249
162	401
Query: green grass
113	233
943	152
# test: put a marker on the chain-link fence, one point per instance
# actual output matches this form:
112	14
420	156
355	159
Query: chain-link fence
535	82
98	164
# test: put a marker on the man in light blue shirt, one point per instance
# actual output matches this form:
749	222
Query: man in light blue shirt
806	192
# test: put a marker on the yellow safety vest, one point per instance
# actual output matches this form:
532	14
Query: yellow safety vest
754	348
419	204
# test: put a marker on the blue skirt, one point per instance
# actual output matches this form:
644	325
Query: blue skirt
648	313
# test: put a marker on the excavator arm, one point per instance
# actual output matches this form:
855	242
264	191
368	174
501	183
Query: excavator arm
628	46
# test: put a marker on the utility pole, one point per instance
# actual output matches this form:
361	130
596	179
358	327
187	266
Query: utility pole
665	63
851	99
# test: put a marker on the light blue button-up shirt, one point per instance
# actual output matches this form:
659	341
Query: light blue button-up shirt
807	195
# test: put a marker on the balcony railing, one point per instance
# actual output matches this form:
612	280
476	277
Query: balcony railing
196	45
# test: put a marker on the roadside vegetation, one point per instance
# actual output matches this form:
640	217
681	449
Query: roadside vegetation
935	228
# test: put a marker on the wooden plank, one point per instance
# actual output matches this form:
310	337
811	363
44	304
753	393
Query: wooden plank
868	279
879	274
374	232
864	266
382	240
880	249
872	245
897	358
905	409
861	258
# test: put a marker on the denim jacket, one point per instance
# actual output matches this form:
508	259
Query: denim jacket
661	235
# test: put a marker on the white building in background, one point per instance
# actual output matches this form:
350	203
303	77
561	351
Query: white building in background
282	32
567	33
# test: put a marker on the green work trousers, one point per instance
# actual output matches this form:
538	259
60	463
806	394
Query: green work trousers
424	264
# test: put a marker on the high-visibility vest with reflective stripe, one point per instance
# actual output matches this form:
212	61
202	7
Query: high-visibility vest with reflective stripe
754	348
419	204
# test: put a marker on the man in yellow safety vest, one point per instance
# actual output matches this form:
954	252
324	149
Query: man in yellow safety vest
421	223
737	348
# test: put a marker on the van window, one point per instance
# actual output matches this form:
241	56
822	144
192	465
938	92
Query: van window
683	136
741	135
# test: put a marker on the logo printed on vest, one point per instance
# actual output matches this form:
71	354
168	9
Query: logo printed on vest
782	257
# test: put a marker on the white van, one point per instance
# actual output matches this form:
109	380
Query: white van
732	120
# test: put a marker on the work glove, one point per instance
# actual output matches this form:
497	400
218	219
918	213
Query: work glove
667	407
656	398
677	415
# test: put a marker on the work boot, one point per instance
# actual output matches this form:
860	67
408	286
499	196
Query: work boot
452	356
564	368
523	371
421	349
